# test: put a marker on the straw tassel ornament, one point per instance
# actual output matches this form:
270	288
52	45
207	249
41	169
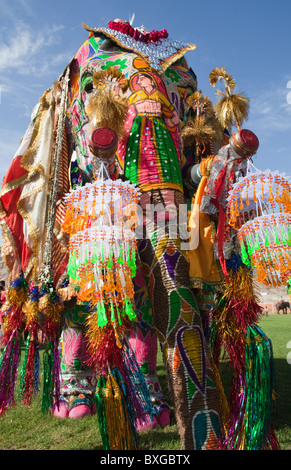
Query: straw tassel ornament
202	128
232	108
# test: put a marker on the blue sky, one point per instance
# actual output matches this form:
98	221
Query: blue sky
251	39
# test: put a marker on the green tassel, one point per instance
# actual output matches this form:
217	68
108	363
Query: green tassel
47	394
257	242
120	257
276	237
267	242
110	262
258	388
244	255
129	309
72	266
101	314
119	319
100	405
23	369
102	254
250	246
284	241
131	263
112	312
94	257
86	256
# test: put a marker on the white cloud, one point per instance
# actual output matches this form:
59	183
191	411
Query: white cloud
289	92
9	142
27	50
270	110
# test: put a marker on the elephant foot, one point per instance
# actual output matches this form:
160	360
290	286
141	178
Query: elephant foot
61	411
161	411
161	418
80	411
146	425
75	411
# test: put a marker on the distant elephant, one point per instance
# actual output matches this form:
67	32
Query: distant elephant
283	306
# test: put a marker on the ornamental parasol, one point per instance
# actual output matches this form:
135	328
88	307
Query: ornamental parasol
101	218
259	208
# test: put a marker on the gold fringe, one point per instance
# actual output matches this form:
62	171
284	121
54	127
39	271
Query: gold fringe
52	309
117	420
9	253
9	187
224	406
31	312
17	296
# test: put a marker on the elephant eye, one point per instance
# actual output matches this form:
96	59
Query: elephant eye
89	87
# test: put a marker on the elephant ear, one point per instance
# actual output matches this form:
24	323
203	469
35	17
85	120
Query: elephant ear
29	215
25	193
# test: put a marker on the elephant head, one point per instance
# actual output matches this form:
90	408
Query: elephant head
116	75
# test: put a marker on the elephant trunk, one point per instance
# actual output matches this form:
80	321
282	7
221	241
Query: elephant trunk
103	143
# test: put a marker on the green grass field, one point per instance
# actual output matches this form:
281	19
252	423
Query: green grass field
24	428
278	329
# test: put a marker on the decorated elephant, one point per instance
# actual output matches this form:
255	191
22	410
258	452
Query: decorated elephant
149	155
124	101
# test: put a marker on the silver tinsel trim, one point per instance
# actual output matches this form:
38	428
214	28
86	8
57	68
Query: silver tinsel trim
156	52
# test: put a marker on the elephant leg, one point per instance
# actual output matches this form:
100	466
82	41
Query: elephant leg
205	301
77	381
186	353
144	343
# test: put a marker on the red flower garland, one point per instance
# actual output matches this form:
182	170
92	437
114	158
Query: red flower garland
125	28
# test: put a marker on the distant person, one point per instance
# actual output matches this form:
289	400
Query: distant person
266	312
